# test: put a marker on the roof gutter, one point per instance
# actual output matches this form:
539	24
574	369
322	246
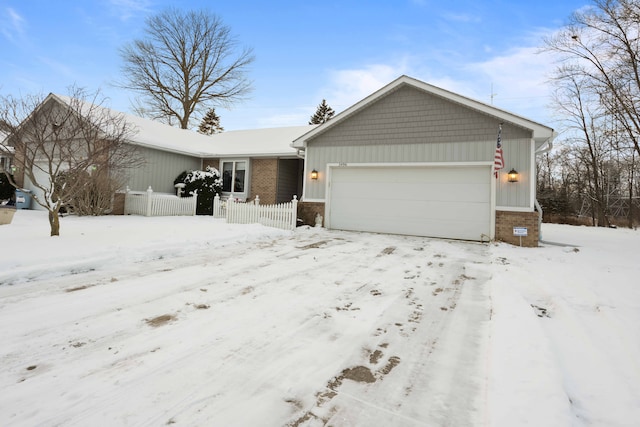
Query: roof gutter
547	145
545	148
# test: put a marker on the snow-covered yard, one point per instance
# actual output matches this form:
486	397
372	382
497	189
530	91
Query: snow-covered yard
190	321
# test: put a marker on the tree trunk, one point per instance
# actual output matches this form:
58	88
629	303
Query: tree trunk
633	165
54	222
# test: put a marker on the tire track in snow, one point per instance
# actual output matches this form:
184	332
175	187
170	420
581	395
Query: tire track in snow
318	308
434	321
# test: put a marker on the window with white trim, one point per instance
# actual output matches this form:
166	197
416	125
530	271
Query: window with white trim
234	177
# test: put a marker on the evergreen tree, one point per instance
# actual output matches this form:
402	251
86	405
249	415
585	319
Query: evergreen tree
210	123
323	114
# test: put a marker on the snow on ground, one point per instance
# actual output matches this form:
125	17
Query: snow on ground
190	321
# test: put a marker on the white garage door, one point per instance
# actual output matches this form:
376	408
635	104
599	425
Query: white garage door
450	202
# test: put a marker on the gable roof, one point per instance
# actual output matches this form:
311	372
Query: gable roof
269	142
541	133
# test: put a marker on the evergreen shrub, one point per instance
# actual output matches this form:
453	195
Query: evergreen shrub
207	183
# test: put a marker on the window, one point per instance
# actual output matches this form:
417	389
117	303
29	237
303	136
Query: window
5	164
233	176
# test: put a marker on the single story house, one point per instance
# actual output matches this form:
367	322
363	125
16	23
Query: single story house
260	162
416	159
410	159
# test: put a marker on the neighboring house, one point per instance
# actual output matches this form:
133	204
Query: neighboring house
6	153
415	159
259	162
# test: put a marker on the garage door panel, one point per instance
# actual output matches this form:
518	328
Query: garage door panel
411	208
449	202
390	192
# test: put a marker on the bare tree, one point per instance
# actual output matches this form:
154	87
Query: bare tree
64	144
187	62
601	46
584	118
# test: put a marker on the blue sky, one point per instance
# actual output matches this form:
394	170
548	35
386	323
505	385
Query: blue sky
305	51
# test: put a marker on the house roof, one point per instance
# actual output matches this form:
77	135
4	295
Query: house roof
268	142
541	133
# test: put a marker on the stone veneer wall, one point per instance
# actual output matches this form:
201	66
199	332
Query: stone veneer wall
307	212
506	220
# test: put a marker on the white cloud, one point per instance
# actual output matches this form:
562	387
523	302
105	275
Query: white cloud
346	87
461	17
125	9
13	25
519	81
57	68
285	119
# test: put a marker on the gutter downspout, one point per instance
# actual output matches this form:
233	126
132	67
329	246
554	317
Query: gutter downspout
536	203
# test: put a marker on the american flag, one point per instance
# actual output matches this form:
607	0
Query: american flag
498	160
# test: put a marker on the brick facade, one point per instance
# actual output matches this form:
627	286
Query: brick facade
264	180
506	220
214	163
307	212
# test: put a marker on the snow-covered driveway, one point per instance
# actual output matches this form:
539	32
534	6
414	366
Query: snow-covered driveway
303	329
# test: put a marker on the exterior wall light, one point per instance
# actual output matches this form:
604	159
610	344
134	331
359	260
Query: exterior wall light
513	175
314	174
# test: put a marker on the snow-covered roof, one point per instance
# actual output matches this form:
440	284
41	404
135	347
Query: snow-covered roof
269	142
541	133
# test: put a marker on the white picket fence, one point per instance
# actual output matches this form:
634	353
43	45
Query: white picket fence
148	203
282	215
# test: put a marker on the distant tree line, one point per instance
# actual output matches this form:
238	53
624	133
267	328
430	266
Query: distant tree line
595	173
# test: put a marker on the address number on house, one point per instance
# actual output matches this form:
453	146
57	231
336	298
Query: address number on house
520	231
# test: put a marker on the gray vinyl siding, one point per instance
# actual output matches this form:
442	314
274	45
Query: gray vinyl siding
409	125
160	170
517	155
411	116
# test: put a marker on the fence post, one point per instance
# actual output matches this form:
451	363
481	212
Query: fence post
216	205
149	193
229	215
195	202
256	201
294	216
126	200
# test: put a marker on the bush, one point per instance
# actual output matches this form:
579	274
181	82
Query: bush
208	183
90	193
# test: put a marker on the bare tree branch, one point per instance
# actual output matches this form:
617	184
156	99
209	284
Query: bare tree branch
63	144
186	64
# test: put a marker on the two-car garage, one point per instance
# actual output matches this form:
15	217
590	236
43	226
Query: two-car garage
419	160
450	201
